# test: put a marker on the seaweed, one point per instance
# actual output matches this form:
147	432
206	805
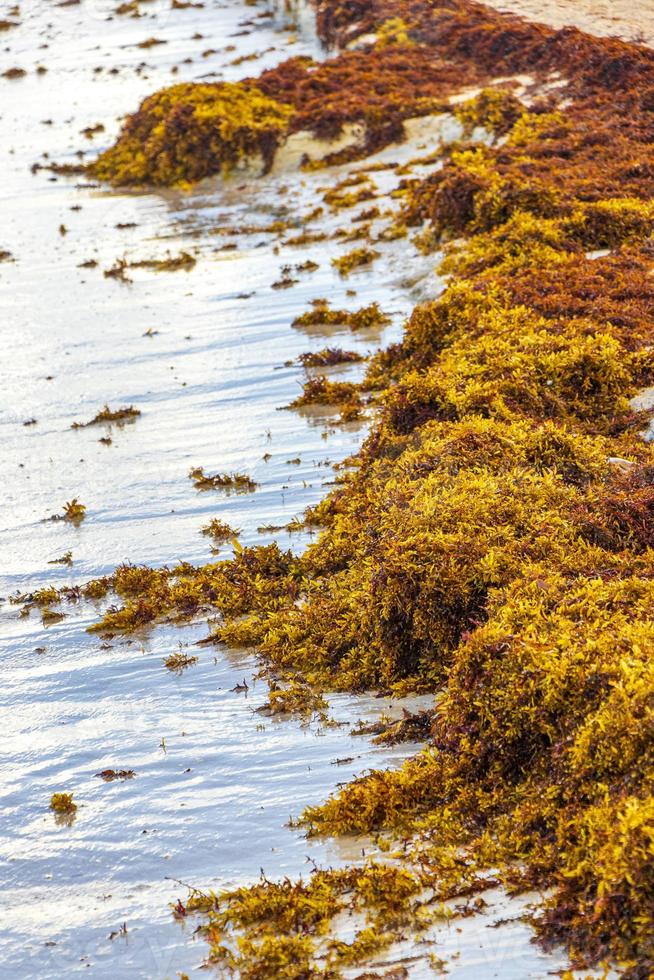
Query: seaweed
74	512
65	559
240	482
289	925
494	109
187	132
296	699
172	263
320	390
329	356
109	775
369	317
355	259
491	542
108	415
63	803
179	661
220	531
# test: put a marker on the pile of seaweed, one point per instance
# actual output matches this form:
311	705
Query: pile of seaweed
492	542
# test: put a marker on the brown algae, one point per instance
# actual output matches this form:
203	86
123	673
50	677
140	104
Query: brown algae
219	531
483	546
107	416
239	482
63	803
74	512
179	661
223	124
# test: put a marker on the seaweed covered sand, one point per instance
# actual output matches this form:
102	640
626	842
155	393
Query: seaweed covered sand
493	541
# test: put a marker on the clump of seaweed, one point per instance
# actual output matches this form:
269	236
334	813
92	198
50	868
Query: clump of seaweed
65	559
321	314
108	415
118	271
179	661
63	803
370	317
219	531
393	31
172	263
356	259
328	357
319	390
289	926
296	698
74	512
109	775
50	616
494	109
187	132
239	482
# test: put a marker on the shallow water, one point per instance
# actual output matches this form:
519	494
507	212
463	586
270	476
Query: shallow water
215	781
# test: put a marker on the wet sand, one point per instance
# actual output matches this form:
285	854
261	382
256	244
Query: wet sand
632	20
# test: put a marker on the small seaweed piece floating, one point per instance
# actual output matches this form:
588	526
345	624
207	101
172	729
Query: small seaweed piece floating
320	315
367	318
122	931
150	42
295	699
107	415
355	259
172	263
50	617
339	199
321	391
240	482
108	775
74	512
66	559
177	662
62	803
307	238
219	531
91	131
329	356
118	271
